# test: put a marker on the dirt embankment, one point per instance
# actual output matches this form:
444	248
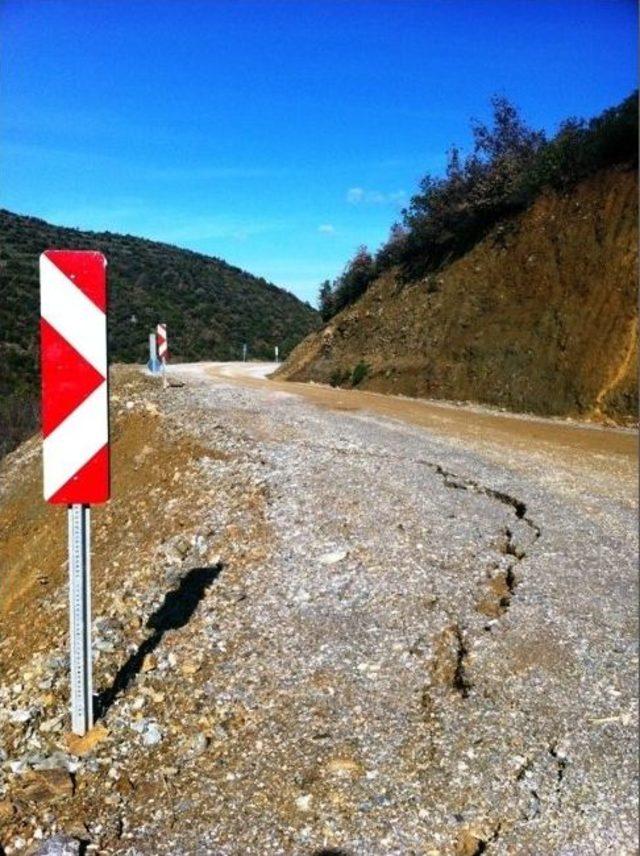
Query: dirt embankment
541	316
157	549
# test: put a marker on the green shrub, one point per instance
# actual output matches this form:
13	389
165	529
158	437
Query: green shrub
359	373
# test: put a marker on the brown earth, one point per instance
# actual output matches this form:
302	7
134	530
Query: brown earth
541	316
32	534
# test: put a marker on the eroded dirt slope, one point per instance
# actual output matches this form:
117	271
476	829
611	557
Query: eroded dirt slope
539	317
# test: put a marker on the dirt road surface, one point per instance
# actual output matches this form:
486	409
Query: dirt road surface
416	635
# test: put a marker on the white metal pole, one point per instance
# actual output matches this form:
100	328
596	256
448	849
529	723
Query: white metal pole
153	354
88	661
79	520
165	382
276	353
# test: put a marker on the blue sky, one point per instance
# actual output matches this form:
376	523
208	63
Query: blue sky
277	135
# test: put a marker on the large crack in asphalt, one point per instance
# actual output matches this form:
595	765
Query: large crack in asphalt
460	483
461	682
457	482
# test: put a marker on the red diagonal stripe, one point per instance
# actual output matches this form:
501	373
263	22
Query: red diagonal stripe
86	270
89	484
67	378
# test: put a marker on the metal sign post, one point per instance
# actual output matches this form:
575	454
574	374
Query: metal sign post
244	353
75	429
79	520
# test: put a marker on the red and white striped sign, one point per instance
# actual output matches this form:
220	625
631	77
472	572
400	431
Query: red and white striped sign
73	360
161	338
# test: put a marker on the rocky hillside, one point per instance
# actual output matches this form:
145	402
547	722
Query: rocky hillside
540	316
211	308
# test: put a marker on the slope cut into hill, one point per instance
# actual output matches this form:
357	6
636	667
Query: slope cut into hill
211	308
540	316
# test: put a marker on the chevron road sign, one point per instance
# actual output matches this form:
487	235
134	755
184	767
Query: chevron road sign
75	429
73	358
163	350
161	336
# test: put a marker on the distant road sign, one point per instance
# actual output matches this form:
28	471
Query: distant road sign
73	358
163	351
161	336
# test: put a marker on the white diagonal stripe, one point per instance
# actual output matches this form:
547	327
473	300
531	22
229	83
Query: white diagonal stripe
76	318
68	448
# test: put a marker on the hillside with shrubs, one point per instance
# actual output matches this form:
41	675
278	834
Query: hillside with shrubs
210	307
509	167
510	280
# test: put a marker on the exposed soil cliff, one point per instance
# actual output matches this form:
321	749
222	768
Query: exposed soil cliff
540	316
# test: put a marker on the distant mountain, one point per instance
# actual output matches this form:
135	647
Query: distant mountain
210	307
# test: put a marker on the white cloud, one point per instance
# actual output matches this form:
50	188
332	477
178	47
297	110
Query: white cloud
327	229
360	196
355	195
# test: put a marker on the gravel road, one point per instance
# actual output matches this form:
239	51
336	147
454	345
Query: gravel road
441	648
327	622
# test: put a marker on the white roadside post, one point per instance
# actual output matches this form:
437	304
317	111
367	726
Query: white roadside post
163	351
75	429
276	353
244	353
153	365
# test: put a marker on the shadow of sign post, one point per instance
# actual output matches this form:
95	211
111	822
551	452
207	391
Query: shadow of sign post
175	612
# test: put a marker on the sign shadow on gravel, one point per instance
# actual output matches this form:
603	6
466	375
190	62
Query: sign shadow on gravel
175	611
331	851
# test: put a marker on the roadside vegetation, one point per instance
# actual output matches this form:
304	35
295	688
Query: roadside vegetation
509	166
350	377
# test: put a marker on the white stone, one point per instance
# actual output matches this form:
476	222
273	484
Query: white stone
333	558
303	803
